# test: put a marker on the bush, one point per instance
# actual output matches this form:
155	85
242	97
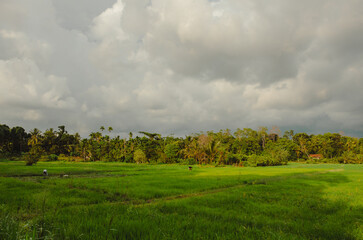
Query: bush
75	154
256	160
34	155
107	158
278	156
163	158
346	158
232	158
236	158
350	157
264	160
129	158
188	161
30	159
311	161
139	156
52	157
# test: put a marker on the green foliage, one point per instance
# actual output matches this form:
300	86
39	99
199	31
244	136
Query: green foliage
284	145
216	148
350	157
129	158
187	161
139	156
257	160
162	158
9	226
237	159
12	140
172	152
34	155
278	154
52	157
269	159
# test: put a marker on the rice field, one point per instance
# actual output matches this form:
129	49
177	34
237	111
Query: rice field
139	201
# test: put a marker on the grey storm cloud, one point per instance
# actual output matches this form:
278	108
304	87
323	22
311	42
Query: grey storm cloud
182	66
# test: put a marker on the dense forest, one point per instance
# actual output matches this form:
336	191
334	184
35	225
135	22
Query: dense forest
244	147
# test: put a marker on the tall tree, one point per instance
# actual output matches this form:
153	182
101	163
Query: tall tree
4	138
262	133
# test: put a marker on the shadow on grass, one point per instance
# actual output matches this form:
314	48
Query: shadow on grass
275	208
290	208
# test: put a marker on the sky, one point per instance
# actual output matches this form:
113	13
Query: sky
182	66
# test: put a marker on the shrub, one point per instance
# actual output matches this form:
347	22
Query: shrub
236	158
75	154
188	161
34	155
163	158
311	161
129	158
265	160
30	160
139	156
256	160
350	157
52	157
278	155
232	158
107	158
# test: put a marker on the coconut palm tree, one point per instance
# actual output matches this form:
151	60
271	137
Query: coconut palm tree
35	137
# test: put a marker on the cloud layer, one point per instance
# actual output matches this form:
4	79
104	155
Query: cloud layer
182	66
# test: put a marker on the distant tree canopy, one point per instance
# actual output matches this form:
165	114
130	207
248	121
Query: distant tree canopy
13	140
246	147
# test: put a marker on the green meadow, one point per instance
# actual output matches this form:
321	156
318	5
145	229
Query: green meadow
140	201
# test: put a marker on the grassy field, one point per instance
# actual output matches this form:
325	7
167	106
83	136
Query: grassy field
130	201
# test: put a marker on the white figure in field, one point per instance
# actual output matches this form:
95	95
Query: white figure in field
45	172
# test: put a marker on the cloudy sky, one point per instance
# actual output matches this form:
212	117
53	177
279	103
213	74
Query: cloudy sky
182	66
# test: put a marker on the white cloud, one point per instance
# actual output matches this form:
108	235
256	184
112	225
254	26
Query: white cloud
107	26
24	84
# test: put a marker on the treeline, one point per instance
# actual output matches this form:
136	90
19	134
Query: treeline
244	147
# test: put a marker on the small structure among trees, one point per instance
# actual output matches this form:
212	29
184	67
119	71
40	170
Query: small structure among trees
315	156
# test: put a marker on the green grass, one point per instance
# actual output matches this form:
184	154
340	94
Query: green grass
130	201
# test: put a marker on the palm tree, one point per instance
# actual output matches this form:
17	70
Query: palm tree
34	137
96	136
152	136
212	149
